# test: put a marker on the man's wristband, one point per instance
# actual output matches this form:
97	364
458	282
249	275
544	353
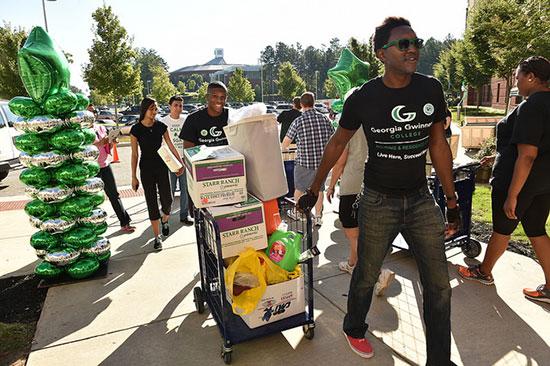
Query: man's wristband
451	198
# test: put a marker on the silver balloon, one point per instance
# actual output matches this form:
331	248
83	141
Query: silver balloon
49	159
98	216
63	257
40	253
91	185
21	125
36	222
43	124
54	194
25	159
83	118
89	152
57	225
101	246
31	191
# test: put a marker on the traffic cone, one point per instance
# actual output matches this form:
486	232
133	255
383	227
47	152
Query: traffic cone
115	154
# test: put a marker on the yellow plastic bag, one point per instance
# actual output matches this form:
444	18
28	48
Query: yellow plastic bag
275	274
247	262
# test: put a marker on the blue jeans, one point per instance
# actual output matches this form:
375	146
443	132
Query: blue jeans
419	219
184	203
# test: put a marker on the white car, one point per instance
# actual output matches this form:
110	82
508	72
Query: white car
8	152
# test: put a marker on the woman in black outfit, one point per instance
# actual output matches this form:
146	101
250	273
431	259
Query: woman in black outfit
148	134
521	177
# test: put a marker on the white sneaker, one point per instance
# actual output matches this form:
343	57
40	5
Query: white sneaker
345	267
384	280
317	221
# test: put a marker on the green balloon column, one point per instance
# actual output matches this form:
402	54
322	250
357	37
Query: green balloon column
57	148
348	73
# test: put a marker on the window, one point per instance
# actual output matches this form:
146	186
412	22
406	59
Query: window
498	92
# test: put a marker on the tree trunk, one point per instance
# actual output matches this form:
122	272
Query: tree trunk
116	111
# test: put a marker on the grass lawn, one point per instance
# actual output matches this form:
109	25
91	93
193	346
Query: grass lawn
15	341
481	211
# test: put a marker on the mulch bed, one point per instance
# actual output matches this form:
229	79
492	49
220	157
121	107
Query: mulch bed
482	232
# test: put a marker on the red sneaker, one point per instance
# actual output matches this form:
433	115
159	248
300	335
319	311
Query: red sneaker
361	346
128	229
541	293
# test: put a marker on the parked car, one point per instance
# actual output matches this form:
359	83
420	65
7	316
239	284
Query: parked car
190	108
129	119
321	108
283	107
8	152
135	109
106	114
271	109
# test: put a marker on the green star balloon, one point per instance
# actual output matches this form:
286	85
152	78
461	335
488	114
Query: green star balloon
348	73
43	67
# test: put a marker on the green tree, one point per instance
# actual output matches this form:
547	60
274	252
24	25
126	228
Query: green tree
98	99
503	32
469	68
239	88
445	70
111	70
289	82
162	88
198	78
330	89
181	87
11	39
429	56
365	52
192	85
201	92
146	60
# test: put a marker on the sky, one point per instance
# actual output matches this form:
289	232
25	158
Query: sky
186	32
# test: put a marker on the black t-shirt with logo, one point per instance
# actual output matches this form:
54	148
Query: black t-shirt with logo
397	125
202	129
528	123
149	140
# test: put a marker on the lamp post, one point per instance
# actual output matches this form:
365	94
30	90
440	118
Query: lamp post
316	84
44	10
261	78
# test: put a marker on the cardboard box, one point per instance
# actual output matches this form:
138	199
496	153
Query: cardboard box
241	225
279	301
215	175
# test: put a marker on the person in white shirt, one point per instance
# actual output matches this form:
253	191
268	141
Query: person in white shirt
175	121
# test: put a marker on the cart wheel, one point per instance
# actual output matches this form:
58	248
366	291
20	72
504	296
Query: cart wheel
226	354
309	331
198	299
471	249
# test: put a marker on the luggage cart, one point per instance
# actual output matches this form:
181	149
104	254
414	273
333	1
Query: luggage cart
464	178
212	291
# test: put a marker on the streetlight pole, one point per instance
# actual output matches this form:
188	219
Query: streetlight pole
316	84
261	79
44	10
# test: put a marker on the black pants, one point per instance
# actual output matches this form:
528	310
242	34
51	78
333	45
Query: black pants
106	175
151	179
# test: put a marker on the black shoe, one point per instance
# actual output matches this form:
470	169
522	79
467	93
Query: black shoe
186	221
158	243
165	228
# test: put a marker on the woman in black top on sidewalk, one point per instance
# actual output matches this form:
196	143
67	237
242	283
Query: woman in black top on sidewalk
521	176
147	134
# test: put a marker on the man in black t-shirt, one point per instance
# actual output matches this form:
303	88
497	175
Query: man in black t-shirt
287	117
402	115
205	126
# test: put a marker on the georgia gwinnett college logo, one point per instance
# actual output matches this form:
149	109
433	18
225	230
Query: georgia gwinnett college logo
204	133
407	116
215	133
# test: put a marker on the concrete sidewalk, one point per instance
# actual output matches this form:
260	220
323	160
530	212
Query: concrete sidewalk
142	313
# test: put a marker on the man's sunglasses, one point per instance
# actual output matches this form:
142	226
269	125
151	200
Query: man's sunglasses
404	43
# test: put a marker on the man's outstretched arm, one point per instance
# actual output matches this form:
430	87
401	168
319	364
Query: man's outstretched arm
331	154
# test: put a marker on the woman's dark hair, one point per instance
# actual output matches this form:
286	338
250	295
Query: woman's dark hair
538	65
145	104
382	32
